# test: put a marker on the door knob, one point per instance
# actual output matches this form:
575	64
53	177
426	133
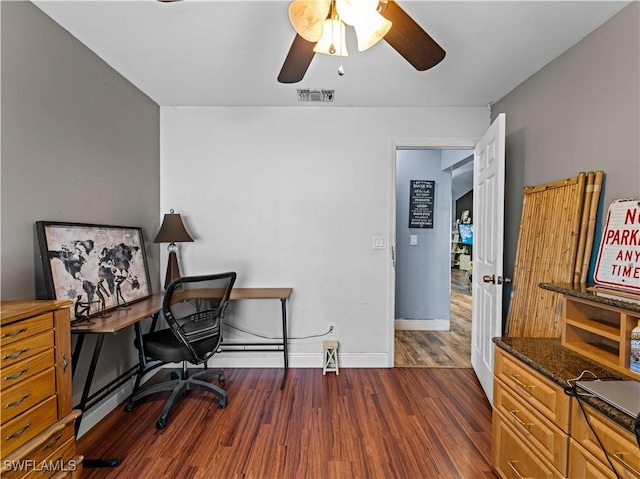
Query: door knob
489	278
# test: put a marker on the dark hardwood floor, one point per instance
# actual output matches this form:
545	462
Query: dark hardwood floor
364	423
451	348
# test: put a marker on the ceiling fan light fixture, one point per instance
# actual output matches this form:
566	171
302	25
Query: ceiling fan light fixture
363	15
307	17
371	31
333	40
353	12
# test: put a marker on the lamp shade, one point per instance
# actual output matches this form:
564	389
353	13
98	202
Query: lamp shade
333	39
172	230
308	16
363	15
371	31
355	11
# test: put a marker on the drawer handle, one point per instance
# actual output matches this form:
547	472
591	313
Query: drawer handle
512	465
619	456
16	354
18	402
52	443
65	363
15	375
514	415
18	433
14	333
520	384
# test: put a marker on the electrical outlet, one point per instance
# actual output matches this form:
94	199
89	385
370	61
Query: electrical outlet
332	329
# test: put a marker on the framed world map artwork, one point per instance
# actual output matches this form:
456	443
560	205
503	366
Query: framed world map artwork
98	267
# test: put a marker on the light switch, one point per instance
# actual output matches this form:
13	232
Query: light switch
414	240
378	242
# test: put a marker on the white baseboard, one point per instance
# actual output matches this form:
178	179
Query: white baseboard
297	360
423	324
239	360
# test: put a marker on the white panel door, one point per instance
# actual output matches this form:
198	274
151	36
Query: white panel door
488	212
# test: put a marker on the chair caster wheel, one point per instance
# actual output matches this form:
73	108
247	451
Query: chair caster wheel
174	375
222	404
161	423
221	378
129	407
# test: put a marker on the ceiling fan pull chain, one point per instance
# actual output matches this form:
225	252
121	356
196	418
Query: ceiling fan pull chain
342	42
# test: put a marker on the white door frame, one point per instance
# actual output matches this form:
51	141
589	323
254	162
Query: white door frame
409	144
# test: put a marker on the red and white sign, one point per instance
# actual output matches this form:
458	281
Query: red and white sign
619	256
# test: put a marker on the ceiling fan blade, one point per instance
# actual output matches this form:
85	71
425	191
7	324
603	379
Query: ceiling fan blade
410	40
298	60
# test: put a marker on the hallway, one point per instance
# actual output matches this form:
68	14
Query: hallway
440	349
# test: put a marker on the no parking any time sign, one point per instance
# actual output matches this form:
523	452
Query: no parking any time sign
619	256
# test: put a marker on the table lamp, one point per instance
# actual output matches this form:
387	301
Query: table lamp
172	231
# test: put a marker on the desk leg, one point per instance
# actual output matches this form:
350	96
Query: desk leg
92	370
283	301
85	397
77	349
142	360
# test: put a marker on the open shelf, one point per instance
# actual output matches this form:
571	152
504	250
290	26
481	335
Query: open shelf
599	331
602	353
596	327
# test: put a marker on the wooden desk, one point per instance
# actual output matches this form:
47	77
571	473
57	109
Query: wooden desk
283	294
149	308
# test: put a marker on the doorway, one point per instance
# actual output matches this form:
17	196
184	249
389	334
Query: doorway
431	328
441	349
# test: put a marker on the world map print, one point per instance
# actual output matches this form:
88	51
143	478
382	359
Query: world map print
91	265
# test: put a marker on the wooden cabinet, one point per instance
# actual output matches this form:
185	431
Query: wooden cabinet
37	434
530	422
588	458
599	331
538	431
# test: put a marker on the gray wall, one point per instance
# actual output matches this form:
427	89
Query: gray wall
79	144
579	113
423	271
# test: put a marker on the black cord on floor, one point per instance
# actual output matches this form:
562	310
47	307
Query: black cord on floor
573	392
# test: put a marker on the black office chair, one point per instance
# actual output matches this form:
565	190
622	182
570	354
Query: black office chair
193	307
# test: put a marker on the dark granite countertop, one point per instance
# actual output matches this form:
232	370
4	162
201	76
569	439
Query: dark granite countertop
552	360
602	296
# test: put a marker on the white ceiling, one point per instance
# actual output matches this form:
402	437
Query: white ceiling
229	53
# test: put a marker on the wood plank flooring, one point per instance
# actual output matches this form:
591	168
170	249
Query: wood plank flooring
364	423
450	349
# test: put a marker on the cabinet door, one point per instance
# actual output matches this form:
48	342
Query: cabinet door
511	456
620	444
540	433
534	389
585	466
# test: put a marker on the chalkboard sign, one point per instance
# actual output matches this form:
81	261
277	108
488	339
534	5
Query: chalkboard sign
421	203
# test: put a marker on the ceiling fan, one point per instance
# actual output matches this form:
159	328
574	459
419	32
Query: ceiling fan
319	26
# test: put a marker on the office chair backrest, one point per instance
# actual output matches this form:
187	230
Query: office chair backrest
194	307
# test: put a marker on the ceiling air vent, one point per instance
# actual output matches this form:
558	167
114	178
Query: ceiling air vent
315	95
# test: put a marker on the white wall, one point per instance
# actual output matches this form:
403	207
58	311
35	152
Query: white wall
293	197
579	113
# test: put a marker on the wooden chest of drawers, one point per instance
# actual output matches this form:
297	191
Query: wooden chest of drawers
37	436
530	422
